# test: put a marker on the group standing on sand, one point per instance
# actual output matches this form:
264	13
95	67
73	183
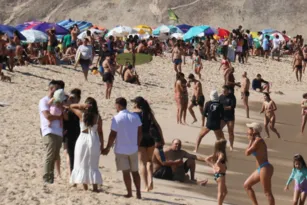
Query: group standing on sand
137	136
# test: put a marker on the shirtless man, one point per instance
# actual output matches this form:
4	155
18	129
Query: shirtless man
52	40
142	47
173	167
197	99
108	77
2	51
245	84
298	64
177	54
130	76
230	80
74	34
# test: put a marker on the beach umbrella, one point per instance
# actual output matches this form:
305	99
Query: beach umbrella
282	37
23	26
177	35
184	27
9	30
222	33
254	34
145	28
194	32
34	36
121	31
95	32
211	31
166	29
43	27
268	30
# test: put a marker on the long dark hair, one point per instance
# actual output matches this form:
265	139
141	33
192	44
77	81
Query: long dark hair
268	96
300	159
91	112
143	105
220	146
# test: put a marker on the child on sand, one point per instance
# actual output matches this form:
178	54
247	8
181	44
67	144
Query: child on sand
55	104
299	174
218	162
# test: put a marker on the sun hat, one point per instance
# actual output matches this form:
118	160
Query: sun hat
255	126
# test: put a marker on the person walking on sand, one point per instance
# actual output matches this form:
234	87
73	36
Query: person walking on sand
85	61
198	98
197	64
229	102
218	162
108	76
181	97
304	112
265	170
52	43
89	145
298	65
52	133
147	145
299	174
126	131
269	107
214	112
245	85
177	55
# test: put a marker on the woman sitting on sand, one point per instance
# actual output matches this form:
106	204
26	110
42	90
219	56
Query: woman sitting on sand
197	64
218	162
147	145
304	112
265	170
181	97
88	146
269	107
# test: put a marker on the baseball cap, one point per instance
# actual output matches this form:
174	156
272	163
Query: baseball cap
255	126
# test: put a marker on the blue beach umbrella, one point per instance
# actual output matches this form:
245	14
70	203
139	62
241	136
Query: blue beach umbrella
184	27
194	32
269	30
9	30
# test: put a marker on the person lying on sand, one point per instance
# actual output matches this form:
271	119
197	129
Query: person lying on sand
173	167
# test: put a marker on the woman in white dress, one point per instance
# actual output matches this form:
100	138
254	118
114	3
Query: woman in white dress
88	146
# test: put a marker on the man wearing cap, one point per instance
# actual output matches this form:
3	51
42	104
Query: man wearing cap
52	133
198	97
276	47
229	102
126	131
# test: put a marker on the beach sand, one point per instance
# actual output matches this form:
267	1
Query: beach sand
22	151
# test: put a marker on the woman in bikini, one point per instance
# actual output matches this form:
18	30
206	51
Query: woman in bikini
304	112
265	170
226	66
181	97
298	64
269	107
218	162
197	63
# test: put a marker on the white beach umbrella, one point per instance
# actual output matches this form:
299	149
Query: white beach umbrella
177	35
94	32
121	31
34	36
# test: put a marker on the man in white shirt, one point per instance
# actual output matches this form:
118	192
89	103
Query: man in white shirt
276	47
52	133
126	131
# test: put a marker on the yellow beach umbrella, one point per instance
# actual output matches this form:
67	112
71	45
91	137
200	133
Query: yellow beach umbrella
254	34
143	28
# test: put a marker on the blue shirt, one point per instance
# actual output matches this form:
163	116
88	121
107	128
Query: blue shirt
265	44
298	175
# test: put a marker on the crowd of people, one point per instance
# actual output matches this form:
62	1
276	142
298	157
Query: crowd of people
137	136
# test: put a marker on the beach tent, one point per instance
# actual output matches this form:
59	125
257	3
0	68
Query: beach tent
82	25
222	33
34	36
166	29
184	27
121	31
195	32
43	27
22	27
9	30
143	28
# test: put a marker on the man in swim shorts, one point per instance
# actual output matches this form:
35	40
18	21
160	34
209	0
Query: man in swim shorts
245	84
177	54
198	98
74	34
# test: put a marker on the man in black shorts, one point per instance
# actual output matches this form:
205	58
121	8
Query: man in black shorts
198	98
228	100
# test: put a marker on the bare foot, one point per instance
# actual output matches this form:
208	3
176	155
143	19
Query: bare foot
194	121
195	150
150	186
128	195
203	182
138	195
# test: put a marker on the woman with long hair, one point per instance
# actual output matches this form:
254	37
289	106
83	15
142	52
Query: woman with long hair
218	162
265	170
88	146
181	97
269	107
148	142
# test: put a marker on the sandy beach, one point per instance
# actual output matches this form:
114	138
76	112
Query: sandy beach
22	151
